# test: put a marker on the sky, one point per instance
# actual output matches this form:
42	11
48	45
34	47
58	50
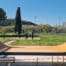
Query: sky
38	11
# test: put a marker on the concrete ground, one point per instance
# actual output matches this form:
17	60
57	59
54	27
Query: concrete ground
32	60
58	48
10	48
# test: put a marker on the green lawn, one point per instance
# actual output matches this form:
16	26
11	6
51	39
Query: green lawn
46	39
4	39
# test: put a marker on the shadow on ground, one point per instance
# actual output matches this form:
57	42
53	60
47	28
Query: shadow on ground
3	47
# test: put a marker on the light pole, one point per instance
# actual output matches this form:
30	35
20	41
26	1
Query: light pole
59	20
35	19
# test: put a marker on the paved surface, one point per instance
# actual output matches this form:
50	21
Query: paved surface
32	60
58	48
3	47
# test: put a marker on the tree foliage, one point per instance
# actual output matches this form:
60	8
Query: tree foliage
46	28
18	24
2	14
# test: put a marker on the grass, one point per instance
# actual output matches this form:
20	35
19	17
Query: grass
2	39
45	40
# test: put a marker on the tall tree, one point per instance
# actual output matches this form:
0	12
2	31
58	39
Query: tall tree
18	24
2	14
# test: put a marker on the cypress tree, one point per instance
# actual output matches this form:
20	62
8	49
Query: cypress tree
18	24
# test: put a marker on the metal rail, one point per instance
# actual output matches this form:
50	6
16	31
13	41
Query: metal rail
33	53
7	59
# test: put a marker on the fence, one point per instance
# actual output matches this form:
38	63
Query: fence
34	59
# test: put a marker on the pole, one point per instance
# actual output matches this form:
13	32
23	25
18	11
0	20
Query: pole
8	64
63	60
52	61
35	19
37	62
59	20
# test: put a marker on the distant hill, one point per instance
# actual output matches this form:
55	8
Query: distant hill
12	22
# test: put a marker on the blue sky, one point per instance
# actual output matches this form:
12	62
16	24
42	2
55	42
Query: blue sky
40	11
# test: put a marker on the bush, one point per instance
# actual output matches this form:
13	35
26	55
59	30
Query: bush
23	35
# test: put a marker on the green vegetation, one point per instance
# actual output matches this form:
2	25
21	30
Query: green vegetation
2	39
18	23
6	29
2	14
50	35
45	40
